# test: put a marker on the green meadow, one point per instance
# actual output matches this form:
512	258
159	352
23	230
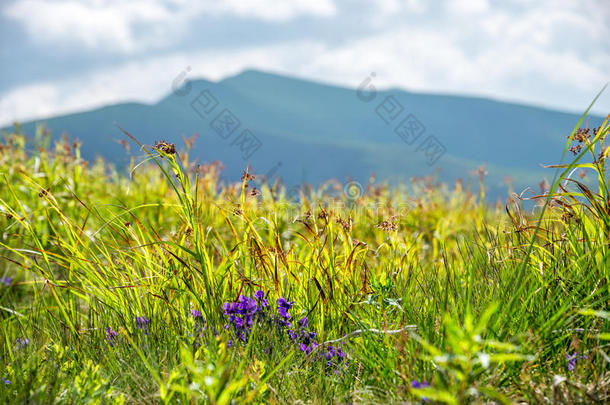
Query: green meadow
159	283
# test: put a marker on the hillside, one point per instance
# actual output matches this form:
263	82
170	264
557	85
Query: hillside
312	132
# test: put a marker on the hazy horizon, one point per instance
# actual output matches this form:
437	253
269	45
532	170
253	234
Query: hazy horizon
66	56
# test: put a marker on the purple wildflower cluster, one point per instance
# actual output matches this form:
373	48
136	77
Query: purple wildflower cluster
572	359
304	339
335	356
243	313
197	315
111	336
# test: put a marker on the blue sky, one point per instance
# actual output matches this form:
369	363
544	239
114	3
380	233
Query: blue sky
60	56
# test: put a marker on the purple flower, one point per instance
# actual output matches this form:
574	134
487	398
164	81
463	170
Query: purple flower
334	356
340	355
282	303
282	309
6	382
111	336
241	316
423	384
142	323
305	348
417	384
259	295
199	321
330	352
572	359
22	342
6	281
302	323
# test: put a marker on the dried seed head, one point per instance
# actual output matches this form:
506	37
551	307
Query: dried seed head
323	215
388	225
168	148
575	149
247	176
346	224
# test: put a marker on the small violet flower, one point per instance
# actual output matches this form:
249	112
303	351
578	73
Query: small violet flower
572	359
111	336
283	307
142	323
423	384
199	321
260	297
282	303
417	384
22	342
6	281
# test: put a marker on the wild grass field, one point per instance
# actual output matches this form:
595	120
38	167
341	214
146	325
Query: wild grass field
160	284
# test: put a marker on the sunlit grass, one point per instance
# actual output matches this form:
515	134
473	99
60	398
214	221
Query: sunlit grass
427	290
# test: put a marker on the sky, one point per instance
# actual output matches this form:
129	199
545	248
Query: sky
62	56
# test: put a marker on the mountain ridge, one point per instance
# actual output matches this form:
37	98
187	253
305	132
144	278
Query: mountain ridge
330	131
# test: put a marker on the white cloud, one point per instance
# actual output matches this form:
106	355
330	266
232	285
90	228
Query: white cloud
31	101
419	60
274	10
467	6
128	26
93	24
144	80
545	54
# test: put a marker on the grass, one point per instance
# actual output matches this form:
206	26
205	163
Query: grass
430	294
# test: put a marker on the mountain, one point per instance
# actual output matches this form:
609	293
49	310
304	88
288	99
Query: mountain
309	132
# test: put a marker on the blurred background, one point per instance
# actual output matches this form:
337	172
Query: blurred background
495	82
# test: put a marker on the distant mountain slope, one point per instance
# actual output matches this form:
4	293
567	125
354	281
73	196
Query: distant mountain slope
312	132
